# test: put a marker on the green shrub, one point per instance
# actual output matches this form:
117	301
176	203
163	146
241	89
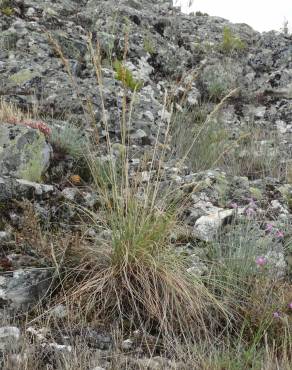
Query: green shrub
68	140
124	75
219	79
231	43
149	45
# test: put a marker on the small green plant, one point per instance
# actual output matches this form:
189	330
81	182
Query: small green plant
5	8
68	140
149	45
231	43
124	75
33	172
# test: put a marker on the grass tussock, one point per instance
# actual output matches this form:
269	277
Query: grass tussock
68	140
124	75
133	276
9	110
128	274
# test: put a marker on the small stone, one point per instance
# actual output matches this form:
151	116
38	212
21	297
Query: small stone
4	236
145	176
127	344
60	347
135	161
30	12
70	193
207	227
59	311
139	134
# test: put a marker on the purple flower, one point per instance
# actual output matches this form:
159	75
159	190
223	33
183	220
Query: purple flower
252	203
233	205
276	315
261	261
269	228
290	305
280	234
249	211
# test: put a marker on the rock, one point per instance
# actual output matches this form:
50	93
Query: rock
198	267
5	236
277	266
59	312
157	363
207	227
22	289
127	344
18	189
70	193
24	152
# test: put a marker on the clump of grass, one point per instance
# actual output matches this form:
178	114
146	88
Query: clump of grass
217	80
68	140
231	43
149	45
211	137
255	155
124	75
9	110
134	277
137	279
238	249
261	298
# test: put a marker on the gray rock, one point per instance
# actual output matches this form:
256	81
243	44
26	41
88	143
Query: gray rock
20	290
5	236
11	188
127	344
24	152
60	311
207	227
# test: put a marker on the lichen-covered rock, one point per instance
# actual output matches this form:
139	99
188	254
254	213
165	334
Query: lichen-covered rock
24	152
21	289
18	189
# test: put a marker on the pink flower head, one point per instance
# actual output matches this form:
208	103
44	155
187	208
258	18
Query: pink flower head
279	234
252	203
290	305
269	228
249	211
276	315
38	125
261	261
233	205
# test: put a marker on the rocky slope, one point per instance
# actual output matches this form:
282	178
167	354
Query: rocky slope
186	56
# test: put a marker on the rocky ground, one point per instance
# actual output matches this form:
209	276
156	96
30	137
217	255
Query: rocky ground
215	98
